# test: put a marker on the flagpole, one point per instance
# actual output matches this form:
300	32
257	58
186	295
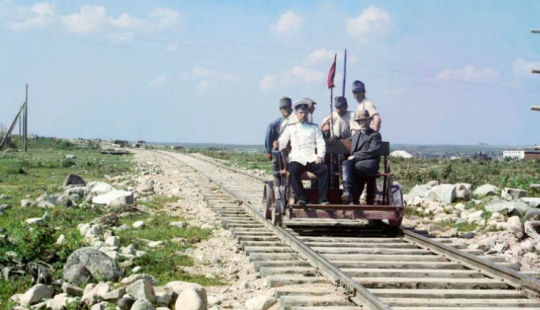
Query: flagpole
344	73
331	112
331	85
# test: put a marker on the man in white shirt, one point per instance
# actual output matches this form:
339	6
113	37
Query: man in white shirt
341	120
307	153
292	119
359	93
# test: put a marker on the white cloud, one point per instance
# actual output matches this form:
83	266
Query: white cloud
303	75
523	68
166	18
127	21
313	71
468	73
208	77
288	24
157	82
203	84
38	15
371	24
94	19
321	56
121	36
89	19
268	83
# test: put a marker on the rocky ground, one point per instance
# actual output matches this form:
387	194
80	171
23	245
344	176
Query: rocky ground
218	256
508	238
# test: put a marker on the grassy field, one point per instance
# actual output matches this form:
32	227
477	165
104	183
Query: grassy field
42	170
412	171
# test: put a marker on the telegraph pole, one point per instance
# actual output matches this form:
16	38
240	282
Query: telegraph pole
535	71
25	118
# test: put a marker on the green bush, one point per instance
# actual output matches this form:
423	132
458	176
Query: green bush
29	241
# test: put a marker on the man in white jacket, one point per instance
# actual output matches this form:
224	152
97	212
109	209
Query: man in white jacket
307	153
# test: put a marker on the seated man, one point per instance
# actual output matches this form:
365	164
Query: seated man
337	126
339	123
307	152
272	134
363	163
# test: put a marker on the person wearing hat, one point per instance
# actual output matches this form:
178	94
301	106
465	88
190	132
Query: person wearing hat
342	120
273	132
359	93
307	153
363	164
311	109
292	119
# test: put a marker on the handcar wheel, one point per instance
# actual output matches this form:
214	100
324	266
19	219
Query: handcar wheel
396	199
277	213
268	199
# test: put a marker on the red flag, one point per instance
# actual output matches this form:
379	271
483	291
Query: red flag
332	73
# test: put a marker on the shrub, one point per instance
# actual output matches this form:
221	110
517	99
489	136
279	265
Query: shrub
29	241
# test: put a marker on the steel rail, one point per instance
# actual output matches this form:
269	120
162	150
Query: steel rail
488	268
360	295
230	168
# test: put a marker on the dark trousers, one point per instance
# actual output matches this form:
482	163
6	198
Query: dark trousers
371	190
320	170
355	178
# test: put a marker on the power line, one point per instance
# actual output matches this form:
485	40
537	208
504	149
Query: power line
378	64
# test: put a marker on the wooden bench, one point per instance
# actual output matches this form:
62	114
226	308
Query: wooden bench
344	146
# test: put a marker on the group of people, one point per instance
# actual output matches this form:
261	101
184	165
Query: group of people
308	148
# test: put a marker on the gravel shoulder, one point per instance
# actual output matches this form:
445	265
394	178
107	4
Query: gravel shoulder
219	256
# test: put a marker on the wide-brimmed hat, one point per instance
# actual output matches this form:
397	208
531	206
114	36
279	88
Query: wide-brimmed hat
363	115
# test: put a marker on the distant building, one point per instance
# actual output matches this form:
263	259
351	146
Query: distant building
517	154
525	154
532	154
481	156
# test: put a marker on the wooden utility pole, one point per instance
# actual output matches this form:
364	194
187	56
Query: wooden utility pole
25	126
535	71
22	119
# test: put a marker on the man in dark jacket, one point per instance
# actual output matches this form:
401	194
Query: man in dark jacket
363	163
272	134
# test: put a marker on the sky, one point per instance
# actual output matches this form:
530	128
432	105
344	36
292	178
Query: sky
438	71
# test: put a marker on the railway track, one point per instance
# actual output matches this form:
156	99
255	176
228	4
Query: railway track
332	264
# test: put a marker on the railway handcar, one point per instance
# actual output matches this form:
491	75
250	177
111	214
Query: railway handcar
279	200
